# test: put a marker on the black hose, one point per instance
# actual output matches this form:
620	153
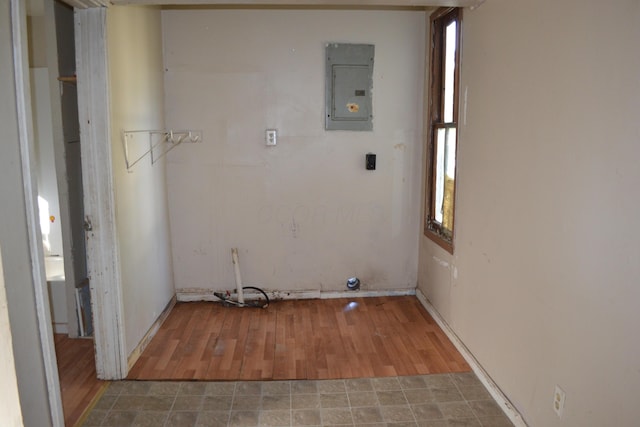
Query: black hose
257	303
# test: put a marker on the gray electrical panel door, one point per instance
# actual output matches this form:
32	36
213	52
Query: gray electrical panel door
349	83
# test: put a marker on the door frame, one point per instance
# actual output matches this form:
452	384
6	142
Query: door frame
28	163
103	263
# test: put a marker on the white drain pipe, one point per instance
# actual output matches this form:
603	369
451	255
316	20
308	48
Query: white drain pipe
236	268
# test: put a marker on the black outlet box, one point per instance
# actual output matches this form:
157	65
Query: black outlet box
371	162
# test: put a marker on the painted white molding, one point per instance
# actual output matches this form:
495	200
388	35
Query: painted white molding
27	157
493	389
103	263
191	295
367	294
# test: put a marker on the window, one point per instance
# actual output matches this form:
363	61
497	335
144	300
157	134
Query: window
442	125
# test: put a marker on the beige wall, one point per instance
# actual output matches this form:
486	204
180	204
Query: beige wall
136	83
543	286
37	41
305	214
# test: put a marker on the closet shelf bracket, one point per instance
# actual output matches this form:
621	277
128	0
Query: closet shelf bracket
139	144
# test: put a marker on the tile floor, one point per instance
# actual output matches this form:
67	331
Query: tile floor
425	401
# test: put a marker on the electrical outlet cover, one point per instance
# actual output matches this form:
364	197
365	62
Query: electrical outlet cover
559	397
271	137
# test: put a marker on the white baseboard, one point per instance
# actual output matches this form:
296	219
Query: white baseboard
497	394
190	295
367	294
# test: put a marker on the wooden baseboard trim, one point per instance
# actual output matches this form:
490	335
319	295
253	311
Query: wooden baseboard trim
191	295
493	389
135	354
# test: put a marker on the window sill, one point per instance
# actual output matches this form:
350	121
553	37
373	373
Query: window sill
439	240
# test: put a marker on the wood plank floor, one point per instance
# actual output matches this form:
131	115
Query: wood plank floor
77	371
304	339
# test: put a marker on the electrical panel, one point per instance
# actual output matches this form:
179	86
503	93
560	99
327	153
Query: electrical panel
349	85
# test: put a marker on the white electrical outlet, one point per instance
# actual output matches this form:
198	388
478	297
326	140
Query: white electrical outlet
271	137
559	396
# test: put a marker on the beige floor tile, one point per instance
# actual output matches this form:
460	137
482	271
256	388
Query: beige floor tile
163	388
304	387
391	398
306	417
276	387
358	384
182	419
275	418
276	402
427	411
188	403
150	419
336	416
217	403
220	389
419	395
305	401
412	382
366	415
244	418
213	418
456	410
331	386
399	413
385	384
362	398
334	400
486	408
119	419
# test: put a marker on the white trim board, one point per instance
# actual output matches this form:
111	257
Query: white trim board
103	262
25	129
493	389
190	295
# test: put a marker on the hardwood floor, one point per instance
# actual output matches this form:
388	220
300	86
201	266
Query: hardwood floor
304	339
77	371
